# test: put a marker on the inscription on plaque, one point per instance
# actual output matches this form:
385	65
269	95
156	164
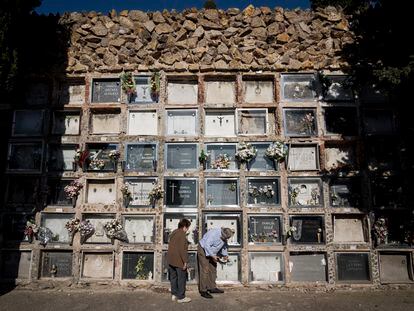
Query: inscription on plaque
230	271
98	221
106	91
98	265
181	192
101	192
309	229
353	267
263	191
305	267
258	91
232	221
264	229
344	193
221	157
266	267
15	265
141	157
185	93
142	92
303	158
220	92
99	159
220	123
348	229
262	162
143	123
139	229
57	264
221	192
182	122
28	123
139	266
71	93
140	188
181	156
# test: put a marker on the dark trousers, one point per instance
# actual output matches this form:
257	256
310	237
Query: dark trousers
178	280
207	270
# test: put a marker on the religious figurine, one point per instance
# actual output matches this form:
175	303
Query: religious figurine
53	271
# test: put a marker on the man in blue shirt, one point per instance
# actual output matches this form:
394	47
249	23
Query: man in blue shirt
211	247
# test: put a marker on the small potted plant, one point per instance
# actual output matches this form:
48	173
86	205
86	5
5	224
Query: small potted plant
114	157
128	85
126	195
203	159
245	153
72	190
155	194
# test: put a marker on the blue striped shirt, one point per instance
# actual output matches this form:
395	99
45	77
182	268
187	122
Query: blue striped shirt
213	244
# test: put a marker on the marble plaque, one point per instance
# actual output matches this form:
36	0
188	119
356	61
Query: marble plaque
353	267
232	221
181	192
105	123
348	229
139	229
140	188
98	265
25	156
396	267
222	192
264	229
66	123
61	157
182	93
182	122
71	93
171	221
106	91
142	91
220	123
143	123
56	264
308	267
266	267
15	265
230	271
300	122
298	87
138	266
98	221
303	158
28	123
141	157
101	192
252	122
258	92
216	155
305	192
220	92
181	156
261	162
56	224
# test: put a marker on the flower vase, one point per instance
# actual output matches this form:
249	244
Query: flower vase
82	239
112	241
74	200
248	165
123	166
115	165
74	166
153	201
84	167
71	236
204	164
255	200
275	165
126	202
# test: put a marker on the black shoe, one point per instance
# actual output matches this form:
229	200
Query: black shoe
216	291
205	295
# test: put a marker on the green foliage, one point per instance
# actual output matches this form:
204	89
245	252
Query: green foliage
210	4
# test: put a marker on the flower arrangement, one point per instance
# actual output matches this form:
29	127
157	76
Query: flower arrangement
115	230
265	236
31	230
114	155
72	225
155	193
155	85
290	231
203	157
307	123
97	164
140	269
253	191
222	161
381	230
245	152
73	189
126	193
266	191
86	229
293	195
44	235
277	151
128	83
81	156
233	187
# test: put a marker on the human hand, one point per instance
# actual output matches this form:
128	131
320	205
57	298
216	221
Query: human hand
214	258
185	266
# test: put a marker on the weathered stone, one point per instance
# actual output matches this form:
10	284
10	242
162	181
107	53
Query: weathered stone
163	28
158	18
138	16
342	25
221	65
93	39
273	29
208	24
150	25
180	66
233	11
283	37
126	22
199	32
222	48
109	59
259	33
181	35
99	30
117	42
304	27
211	15
189	25
257	22
247	58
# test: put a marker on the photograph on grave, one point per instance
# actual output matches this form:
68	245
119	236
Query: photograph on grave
171	221
337	88
252	121
353	267
56	264
98	221
15	265
222	192
181	192
225	220
395	267
220	92
141	157
382	155
305	192
56	224
266	267
56	195
181	122
220	123
392	229
97	265
28	123
345	192
264	229
340	157
192	268
258	91
143	123
378	122
139	228
307	229
307	267
138	266
106	91
182	92
140	189
143	93
102	157
37	94
300	122
387	192
23	189
25	156
229	272
341	121
350	229
298	87
61	157
263	191
100	191
181	156
66	122
71	93
261	162
221	157
303	157
14	227
105	122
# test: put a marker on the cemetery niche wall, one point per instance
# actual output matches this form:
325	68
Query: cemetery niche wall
330	207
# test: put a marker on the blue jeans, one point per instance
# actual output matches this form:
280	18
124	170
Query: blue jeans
178	280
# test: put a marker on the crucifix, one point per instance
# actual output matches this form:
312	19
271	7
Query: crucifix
221	120
254	222
172	186
144	90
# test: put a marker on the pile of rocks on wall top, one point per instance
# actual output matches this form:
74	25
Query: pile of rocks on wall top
207	40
